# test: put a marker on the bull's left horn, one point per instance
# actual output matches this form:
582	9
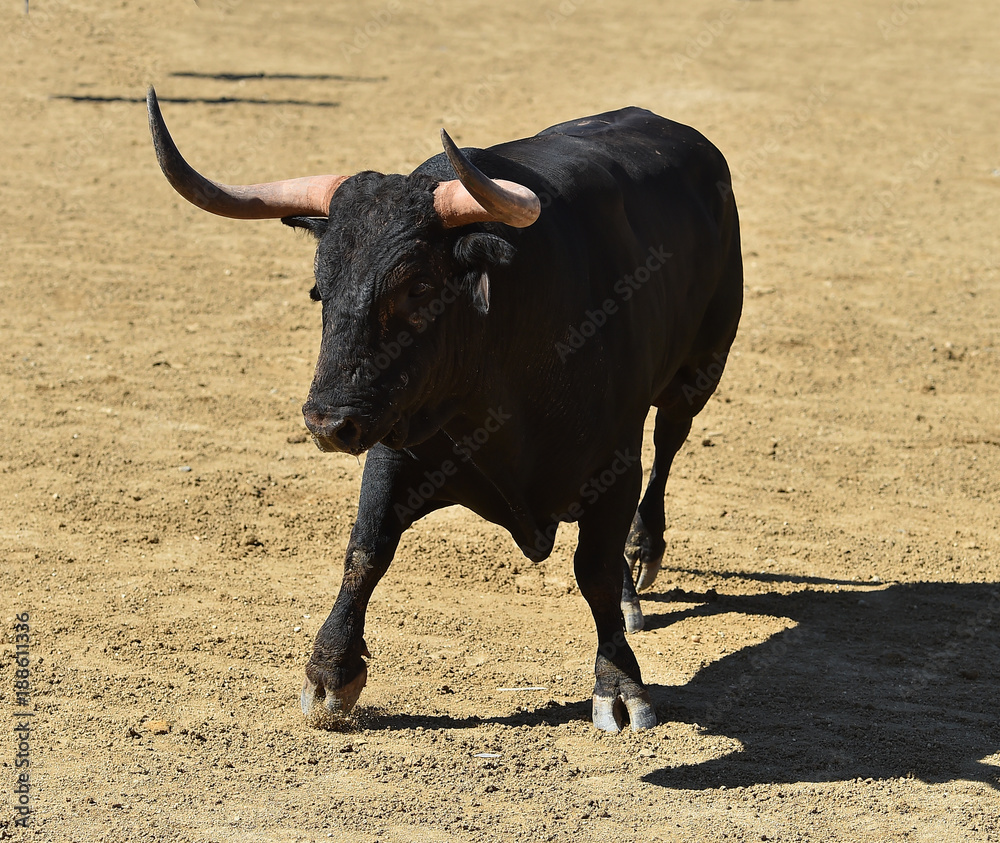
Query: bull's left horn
309	196
475	197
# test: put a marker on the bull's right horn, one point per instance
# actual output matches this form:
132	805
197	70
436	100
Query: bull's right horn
309	196
474	197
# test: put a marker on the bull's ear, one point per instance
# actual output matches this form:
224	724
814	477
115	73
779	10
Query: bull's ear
317	225
480	250
481	293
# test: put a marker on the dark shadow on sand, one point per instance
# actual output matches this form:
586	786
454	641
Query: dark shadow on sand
882	684
887	683
197	100
310	77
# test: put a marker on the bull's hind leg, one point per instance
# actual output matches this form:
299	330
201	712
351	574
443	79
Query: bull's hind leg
631	610
618	690
645	546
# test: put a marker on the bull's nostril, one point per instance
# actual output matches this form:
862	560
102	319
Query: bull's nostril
348	433
332	430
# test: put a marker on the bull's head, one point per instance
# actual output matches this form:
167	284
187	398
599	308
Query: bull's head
396	274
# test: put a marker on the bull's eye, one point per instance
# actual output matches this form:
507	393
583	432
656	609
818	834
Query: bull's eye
419	290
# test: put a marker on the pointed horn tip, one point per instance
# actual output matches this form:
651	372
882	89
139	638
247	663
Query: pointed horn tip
522	212
156	125
449	146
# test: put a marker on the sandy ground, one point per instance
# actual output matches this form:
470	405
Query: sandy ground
822	644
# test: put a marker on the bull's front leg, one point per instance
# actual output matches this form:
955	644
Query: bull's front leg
336	672
598	564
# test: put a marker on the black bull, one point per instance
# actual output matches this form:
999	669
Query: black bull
510	369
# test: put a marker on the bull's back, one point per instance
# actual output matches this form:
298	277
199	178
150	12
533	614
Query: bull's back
646	154
646	204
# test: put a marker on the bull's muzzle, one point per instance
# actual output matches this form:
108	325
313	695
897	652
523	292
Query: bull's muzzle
333	430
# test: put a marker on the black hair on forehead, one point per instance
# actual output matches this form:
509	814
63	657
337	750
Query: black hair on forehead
376	222
372	206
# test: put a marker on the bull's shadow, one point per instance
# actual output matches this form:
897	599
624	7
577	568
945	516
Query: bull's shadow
896	682
890	683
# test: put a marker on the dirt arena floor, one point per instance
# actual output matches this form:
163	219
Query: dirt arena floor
822	644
